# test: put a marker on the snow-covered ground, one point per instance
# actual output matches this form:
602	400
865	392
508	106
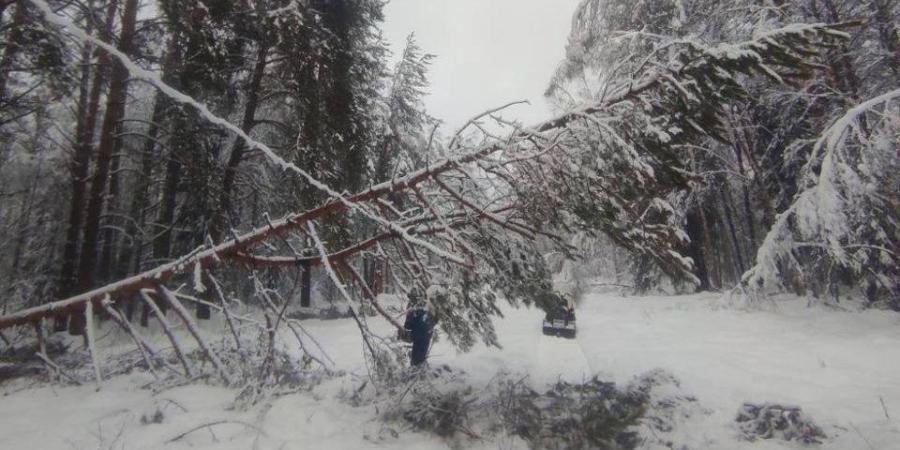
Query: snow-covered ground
841	367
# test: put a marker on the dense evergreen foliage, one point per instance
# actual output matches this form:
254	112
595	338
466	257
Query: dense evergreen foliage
793	182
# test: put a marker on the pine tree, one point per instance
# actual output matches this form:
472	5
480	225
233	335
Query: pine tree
406	134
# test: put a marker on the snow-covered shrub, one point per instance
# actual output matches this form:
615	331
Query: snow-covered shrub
263	371
592	414
668	409
434	400
774	421
516	409
842	226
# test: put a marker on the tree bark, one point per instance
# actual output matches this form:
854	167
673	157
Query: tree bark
108	234
115	109
694	228
131	258
88	109
225	213
163	241
713	269
729	220
27	205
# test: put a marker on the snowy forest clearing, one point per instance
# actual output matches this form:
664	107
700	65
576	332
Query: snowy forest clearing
840	367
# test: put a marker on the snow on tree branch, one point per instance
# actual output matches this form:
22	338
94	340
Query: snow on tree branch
846	209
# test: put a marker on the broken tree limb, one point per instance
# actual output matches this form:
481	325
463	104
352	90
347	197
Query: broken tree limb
483	212
371	296
287	261
262	261
330	270
291	323
212	424
194	330
39	332
443	221
146	352
53	366
42	345
228	319
90	337
168	330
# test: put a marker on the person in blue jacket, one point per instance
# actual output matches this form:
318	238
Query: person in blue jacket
419	325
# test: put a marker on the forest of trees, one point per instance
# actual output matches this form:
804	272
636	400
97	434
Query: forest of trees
724	145
103	177
779	197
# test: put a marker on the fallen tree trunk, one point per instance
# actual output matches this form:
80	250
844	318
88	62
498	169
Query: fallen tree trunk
236	248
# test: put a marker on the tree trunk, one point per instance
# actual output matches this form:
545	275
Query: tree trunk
713	268
729	220
162	232
131	258
115	110
223	218
751	217
162	244
108	234
694	229
27	203
88	109
225	213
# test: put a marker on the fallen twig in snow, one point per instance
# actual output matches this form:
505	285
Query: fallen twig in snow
225	311
146	351
194	330
169	400
168	330
370	295
862	436
217	422
46	359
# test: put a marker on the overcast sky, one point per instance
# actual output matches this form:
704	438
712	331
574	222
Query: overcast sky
489	52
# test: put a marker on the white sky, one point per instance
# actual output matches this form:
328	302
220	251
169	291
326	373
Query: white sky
488	52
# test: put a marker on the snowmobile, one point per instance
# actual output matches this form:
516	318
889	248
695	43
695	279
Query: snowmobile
560	322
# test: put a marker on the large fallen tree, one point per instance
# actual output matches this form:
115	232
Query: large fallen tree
466	229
